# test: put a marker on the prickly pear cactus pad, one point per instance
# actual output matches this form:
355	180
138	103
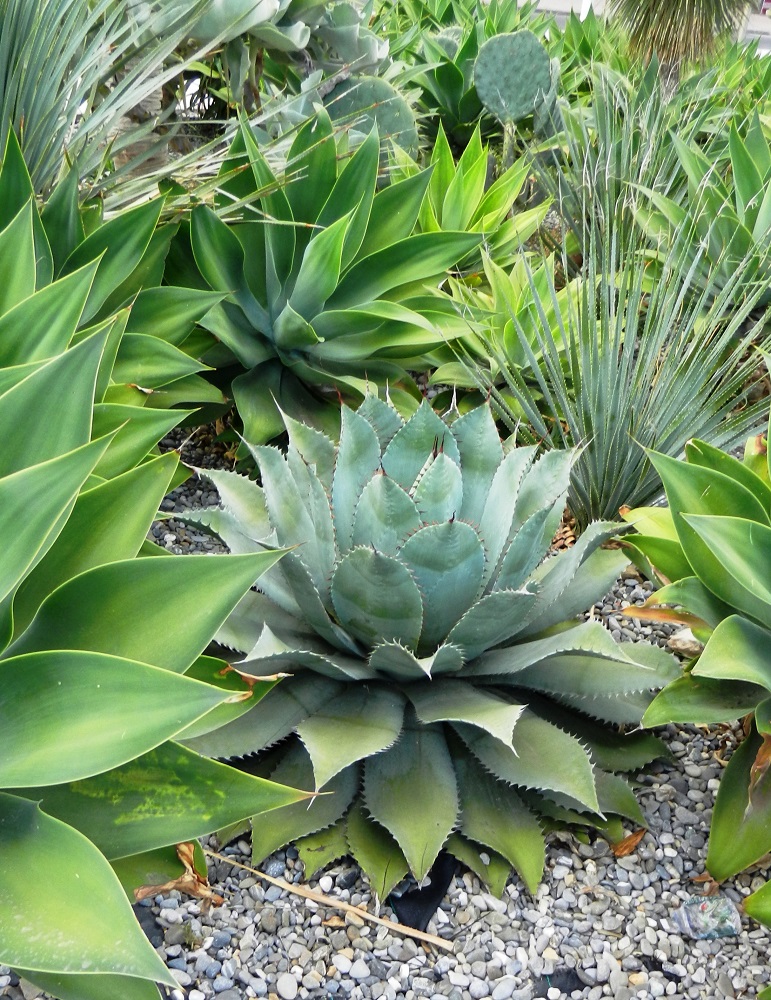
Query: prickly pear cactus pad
366	100
512	74
440	684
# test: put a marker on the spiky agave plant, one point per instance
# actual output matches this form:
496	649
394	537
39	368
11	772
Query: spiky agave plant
441	686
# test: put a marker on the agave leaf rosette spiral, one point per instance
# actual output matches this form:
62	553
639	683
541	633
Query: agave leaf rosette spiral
440	684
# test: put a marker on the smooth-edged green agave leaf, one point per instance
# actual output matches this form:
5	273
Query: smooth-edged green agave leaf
411	790
96	712
740	550
302	818
707	455
137	431
385	515
319	849
492	868
375	850
119	245
17	244
39	498
493	620
90	987
481	452
60	393
691	594
169	313
357	460
413	444
702	700
127	608
445	700
166	796
152	363
494	815
741	821
319	272
241	696
78	920
43	325
447	563
274	718
376	598
737	650
107	523
361	721
543	757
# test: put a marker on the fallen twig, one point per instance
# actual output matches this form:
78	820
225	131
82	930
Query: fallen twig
338	904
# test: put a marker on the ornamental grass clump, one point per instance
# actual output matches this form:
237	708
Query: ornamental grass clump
441	685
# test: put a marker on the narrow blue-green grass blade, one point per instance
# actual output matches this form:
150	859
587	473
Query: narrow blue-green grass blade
447	562
417	771
494	815
359	722
375	850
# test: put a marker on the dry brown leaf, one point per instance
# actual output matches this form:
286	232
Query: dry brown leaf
333	922
190	882
711	887
661	614
628	845
759	767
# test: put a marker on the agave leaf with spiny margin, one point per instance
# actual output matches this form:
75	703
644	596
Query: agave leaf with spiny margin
416	614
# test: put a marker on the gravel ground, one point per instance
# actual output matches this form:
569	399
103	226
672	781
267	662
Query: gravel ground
597	927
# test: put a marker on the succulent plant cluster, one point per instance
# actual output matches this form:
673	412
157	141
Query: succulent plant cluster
440	684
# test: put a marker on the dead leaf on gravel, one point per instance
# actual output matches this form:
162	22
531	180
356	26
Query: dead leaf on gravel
190	882
711	887
629	844
333	922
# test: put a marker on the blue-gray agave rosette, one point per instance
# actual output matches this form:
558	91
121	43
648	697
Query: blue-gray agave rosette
440	684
